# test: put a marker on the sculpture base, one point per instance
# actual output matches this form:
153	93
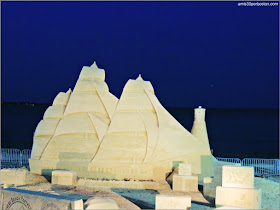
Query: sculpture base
103	170
202	165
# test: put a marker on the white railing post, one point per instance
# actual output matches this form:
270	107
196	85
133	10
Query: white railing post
20	159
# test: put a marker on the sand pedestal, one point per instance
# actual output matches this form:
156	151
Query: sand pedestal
209	189
185	183
64	177
13	176
21	176
237	188
173	202
207	180
185	169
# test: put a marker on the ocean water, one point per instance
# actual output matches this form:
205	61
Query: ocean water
232	132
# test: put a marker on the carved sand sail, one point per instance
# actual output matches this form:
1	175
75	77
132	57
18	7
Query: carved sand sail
75	132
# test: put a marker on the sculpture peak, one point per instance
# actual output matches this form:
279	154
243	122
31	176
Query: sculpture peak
94	65
200	108
140	78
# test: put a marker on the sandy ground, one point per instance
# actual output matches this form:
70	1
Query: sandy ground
125	198
83	193
145	199
270	193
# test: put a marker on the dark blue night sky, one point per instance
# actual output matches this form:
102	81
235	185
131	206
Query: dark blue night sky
213	54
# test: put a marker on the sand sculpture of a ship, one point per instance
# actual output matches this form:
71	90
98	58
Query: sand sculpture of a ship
93	133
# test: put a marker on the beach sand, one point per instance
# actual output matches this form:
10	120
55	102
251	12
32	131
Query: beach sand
145	199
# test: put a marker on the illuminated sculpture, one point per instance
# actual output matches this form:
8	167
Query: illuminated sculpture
93	133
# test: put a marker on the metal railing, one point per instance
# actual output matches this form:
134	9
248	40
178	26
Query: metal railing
230	160
26	154
261	166
15	158
11	158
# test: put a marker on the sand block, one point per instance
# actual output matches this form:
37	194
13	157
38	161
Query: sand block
185	183
100	203
12	198
238	176
238	197
13	176
185	169
22	176
64	177
207	180
209	189
218	170
173	202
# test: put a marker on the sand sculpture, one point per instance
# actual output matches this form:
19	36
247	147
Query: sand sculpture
93	133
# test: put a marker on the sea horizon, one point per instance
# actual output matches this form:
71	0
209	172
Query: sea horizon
232	132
